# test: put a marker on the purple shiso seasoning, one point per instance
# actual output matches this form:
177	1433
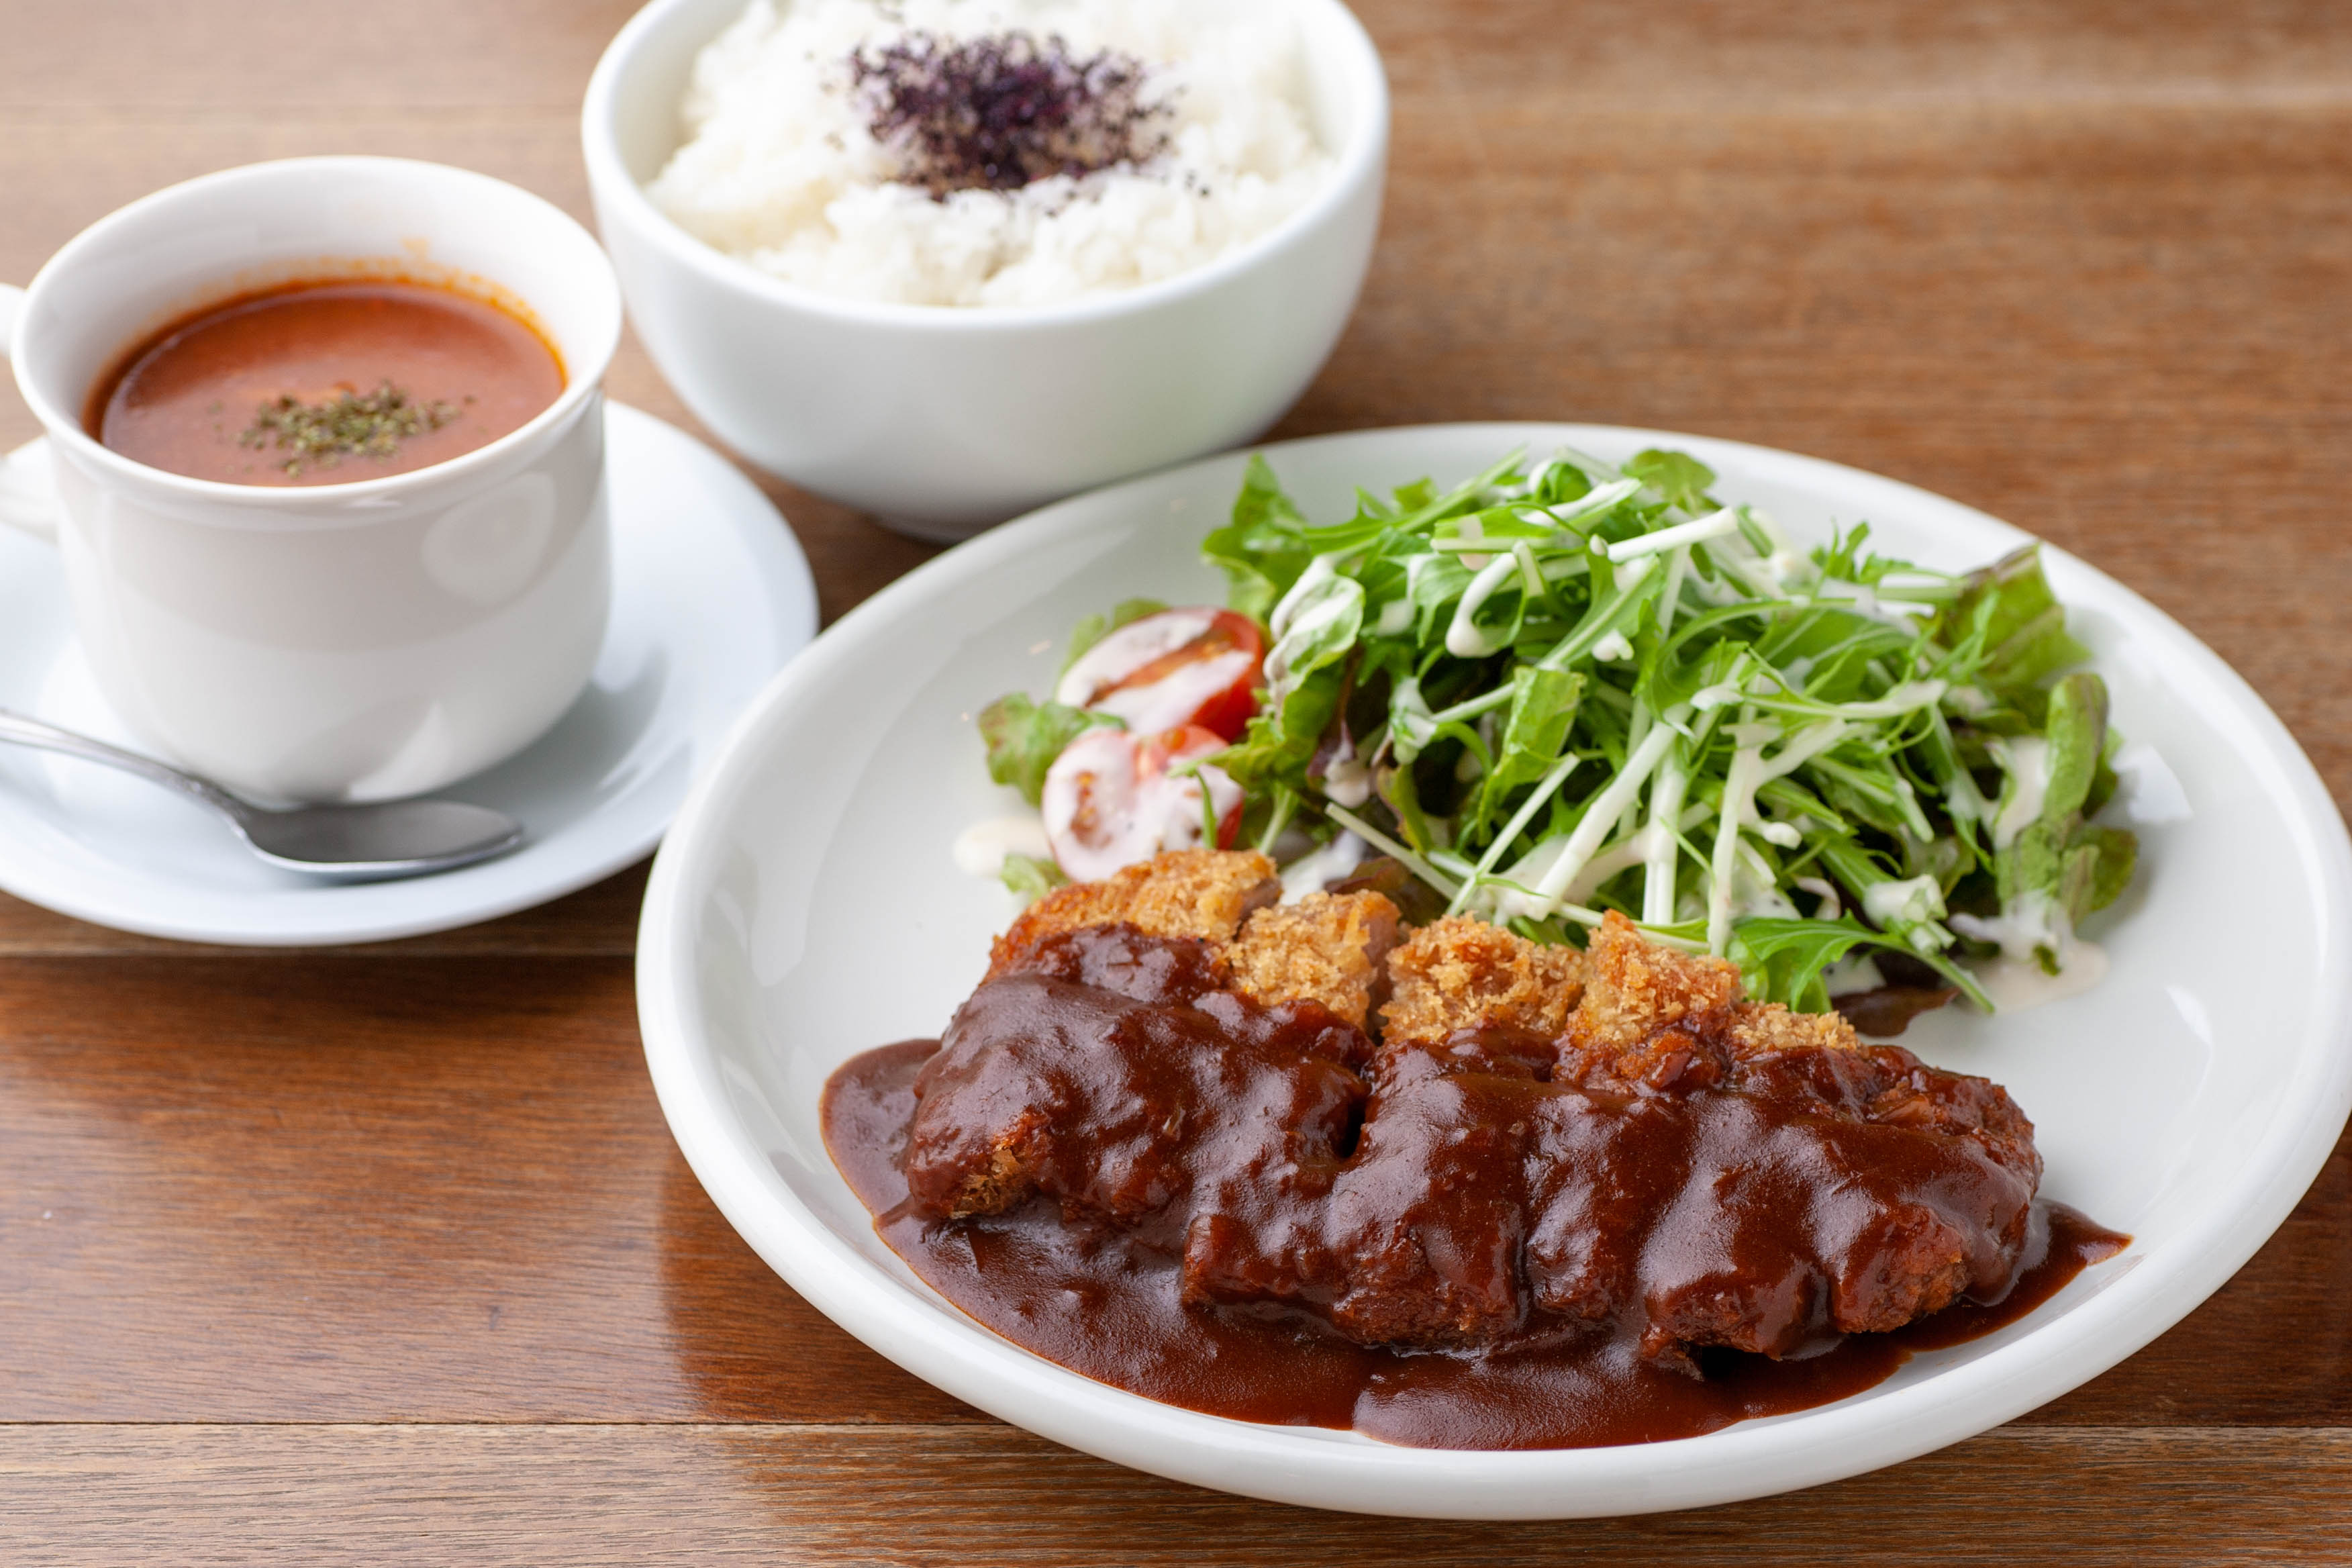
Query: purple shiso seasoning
1002	111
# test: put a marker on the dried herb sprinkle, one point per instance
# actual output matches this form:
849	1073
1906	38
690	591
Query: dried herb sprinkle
351	425
1002	111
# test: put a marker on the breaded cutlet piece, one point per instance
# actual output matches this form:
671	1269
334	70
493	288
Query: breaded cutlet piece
1327	948
1460	973
1199	893
1759	1026
1638	987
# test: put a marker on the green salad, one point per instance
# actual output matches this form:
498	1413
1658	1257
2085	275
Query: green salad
1560	690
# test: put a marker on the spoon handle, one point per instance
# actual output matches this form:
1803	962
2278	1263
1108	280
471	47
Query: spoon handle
23	731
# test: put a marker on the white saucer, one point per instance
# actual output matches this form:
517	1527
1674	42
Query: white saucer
711	595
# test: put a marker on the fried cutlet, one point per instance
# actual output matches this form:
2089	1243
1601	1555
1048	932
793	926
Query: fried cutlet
1204	894
1328	948
1643	994
1488	1161
1458	973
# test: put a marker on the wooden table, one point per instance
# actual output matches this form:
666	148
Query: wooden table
385	1253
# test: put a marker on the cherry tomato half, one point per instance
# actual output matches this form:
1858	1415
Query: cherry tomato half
1112	799
1165	671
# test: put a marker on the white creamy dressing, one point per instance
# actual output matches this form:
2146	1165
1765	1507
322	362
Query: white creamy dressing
1963	800
1754	893
1322	569
2030	925
1784	566
1127	649
1612	649
1311	873
1410	723
1464	640
1320	598
1832	905
2029	921
980	849
2149	792
1104	812
1592	502
2014	984
1396	616
1911	901
2025	764
1856	972
1709	697
1347	781
1175	698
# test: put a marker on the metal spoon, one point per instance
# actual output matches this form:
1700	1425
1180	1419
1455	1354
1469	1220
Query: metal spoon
348	843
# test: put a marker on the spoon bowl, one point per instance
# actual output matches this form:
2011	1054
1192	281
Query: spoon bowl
395	839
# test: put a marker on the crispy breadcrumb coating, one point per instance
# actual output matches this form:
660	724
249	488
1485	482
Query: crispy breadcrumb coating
1637	987
1647	1005
1455	974
1460	973
1758	1027
1204	894
1327	948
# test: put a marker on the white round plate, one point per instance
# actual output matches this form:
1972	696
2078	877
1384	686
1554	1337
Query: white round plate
710	597
805	907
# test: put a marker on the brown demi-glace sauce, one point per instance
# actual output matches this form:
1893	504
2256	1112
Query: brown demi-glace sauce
183	400
1238	1208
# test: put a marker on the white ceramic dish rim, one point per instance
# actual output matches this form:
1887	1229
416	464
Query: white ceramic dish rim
937	1343
785	570
1361	158
583	373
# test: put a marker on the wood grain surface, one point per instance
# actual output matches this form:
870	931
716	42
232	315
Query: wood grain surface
384	1254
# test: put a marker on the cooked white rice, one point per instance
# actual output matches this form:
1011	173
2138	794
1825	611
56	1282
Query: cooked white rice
780	169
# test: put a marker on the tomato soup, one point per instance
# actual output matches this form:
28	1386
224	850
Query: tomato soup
326	384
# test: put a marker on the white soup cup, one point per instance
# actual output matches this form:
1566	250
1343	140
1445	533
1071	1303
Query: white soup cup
357	641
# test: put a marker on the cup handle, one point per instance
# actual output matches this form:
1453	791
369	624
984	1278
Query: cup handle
28	495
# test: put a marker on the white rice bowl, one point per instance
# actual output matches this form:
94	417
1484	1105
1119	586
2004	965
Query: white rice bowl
780	169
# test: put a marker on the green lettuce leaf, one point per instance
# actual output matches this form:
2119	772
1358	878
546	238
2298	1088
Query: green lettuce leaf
1683	479
1534	732
1029	878
1023	737
2009	612
1262	550
1281	741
